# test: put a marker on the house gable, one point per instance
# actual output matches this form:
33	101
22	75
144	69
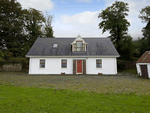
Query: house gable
74	44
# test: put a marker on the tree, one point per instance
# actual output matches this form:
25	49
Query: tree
48	30
33	22
11	25
142	46
145	14
113	20
145	17
126	50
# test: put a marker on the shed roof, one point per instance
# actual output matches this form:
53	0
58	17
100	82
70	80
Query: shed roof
95	47
145	58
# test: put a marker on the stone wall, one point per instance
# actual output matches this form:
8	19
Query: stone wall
74	66
11	67
84	67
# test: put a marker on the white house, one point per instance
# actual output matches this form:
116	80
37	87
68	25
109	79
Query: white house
73	56
143	65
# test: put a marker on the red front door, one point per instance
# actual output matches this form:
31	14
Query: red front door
79	66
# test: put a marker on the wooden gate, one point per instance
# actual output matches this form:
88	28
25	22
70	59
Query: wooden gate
144	71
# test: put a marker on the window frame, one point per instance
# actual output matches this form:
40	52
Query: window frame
56	45
82	48
63	63
99	63
42	63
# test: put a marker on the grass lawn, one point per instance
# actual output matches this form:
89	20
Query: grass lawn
21	93
45	100
133	71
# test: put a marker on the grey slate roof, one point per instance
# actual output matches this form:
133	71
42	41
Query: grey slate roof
95	47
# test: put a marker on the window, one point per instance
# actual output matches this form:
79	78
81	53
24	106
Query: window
55	45
64	63
42	63
99	63
79	46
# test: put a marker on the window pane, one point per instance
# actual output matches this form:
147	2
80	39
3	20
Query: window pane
64	61
79	49
74	45
98	61
98	65
42	65
83	49
79	44
64	65
75	49
55	45
42	61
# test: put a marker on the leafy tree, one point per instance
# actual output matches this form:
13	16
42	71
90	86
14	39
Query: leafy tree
145	14
33	20
1	56
7	54
145	41
126	50
19	28
142	46
48	26
113	20
11	25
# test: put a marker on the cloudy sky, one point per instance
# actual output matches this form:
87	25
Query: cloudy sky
73	17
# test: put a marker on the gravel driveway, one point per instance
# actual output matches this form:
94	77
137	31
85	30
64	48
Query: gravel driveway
121	83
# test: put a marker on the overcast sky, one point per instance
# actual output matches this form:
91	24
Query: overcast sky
73	17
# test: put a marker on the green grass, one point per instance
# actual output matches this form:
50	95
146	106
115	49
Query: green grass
45	100
133	71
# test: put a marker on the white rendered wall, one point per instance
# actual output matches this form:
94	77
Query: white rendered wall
52	66
109	66
139	69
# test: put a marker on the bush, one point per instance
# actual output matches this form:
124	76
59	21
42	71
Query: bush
7	54
1	54
1	59
121	64
23	61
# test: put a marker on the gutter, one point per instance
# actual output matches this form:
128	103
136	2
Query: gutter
32	56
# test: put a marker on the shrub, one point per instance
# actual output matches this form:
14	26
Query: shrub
1	54
7	54
22	60
121	64
1	59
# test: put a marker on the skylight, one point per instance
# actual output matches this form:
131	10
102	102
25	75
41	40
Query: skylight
55	45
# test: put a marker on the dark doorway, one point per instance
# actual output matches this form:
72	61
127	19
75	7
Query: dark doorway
144	71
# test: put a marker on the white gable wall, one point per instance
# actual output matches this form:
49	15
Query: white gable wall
53	66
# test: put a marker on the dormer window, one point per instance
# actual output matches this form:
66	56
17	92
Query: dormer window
79	46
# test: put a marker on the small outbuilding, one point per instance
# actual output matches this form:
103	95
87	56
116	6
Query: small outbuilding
143	65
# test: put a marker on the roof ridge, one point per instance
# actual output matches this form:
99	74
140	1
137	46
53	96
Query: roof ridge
75	37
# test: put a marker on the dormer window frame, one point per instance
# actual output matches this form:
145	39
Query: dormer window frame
75	47
74	44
